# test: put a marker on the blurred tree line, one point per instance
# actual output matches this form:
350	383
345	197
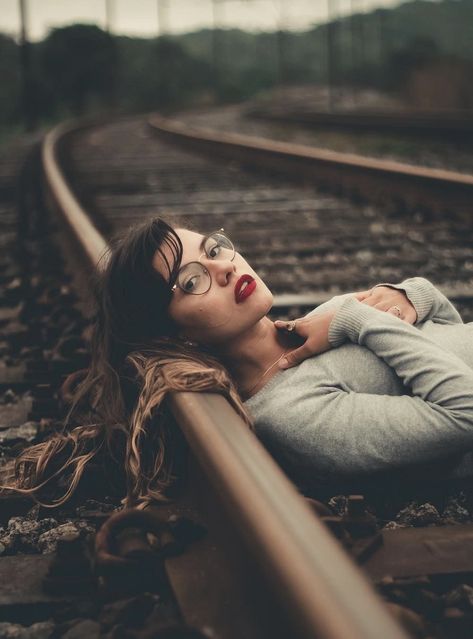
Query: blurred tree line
421	50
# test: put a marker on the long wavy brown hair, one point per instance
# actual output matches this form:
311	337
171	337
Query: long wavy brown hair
119	423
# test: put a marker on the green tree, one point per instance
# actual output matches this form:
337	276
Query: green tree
80	65
172	75
10	88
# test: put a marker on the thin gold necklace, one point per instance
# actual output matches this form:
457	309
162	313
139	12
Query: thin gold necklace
265	373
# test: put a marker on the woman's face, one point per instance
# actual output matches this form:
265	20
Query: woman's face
225	311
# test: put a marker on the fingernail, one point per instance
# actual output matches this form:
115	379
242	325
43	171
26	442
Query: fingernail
283	363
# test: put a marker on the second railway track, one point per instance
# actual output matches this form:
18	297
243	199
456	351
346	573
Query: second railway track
307	244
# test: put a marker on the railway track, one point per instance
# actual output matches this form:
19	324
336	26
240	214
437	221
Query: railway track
276	524
238	505
386	137
337	244
456	124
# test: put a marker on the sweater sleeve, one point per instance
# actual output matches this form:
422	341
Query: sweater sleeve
428	301
336	431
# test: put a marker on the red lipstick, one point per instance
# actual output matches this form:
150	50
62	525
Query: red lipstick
244	288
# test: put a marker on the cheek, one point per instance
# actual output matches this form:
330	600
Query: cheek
197	314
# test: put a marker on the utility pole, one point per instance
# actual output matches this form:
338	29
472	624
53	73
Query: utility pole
216	44
162	7
359	32
355	45
27	94
281	44
331	53
109	15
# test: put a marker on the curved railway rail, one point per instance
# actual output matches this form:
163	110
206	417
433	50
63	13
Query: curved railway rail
434	124
320	591
374	179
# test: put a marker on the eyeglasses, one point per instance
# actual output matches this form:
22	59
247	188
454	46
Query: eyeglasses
193	278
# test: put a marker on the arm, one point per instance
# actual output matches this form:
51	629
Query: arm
335	431
428	301
416	298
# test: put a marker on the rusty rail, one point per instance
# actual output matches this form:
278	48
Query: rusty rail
374	179
445	123
324	594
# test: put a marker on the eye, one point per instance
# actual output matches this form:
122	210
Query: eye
213	250
191	283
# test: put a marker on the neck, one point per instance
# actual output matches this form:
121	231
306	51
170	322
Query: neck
250	354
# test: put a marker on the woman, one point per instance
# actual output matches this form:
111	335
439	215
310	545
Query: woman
347	391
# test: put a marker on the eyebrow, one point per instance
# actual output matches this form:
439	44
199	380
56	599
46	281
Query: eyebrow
202	242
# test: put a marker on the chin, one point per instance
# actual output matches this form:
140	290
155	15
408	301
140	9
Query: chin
265	304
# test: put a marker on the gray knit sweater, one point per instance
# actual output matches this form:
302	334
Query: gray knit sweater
386	396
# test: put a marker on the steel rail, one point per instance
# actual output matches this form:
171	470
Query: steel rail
370	177
454	292
285	149
90	240
324	593
442	123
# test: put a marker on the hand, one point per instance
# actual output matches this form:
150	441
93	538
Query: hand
384	298
315	331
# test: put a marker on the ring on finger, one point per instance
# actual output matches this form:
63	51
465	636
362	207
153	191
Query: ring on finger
396	310
291	326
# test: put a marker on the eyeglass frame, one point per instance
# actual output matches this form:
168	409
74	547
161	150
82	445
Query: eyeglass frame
206	270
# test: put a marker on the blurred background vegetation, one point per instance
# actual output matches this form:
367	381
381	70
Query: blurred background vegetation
420	51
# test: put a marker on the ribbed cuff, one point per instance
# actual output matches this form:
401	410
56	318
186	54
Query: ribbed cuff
348	322
419	293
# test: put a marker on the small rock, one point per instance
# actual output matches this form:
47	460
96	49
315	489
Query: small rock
455	511
453	613
460	597
47	542
364	256
22	534
25	433
41	630
392	525
84	628
9	397
339	504
419	515
33	512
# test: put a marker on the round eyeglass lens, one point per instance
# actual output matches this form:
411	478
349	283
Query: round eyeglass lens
219	247
194	278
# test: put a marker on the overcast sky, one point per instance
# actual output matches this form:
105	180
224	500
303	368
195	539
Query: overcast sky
140	17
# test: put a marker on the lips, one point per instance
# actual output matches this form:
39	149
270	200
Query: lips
244	288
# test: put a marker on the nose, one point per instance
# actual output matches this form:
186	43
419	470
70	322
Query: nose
221	271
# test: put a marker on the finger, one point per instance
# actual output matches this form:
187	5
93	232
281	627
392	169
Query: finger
397	312
362	295
381	306
295	357
286	324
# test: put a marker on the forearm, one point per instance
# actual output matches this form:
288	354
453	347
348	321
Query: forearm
432	373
